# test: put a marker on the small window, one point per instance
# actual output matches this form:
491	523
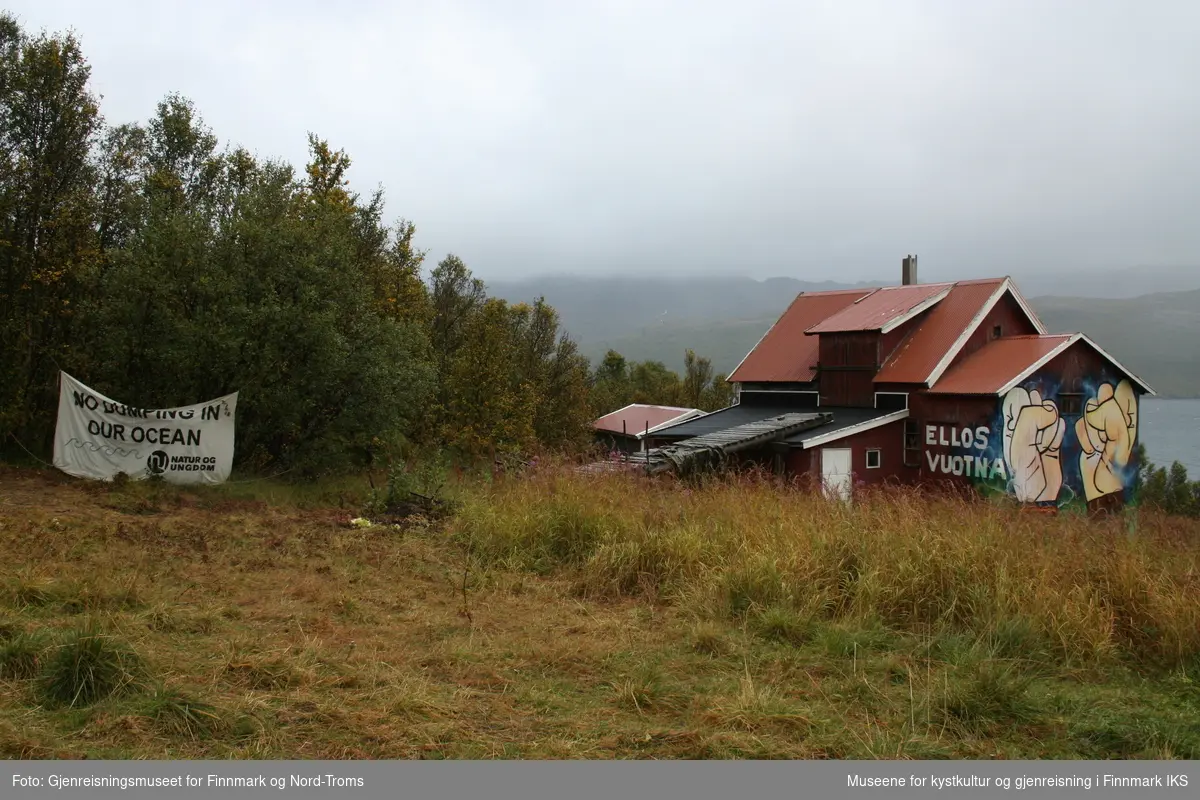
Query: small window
1070	404
997	331
874	459
912	443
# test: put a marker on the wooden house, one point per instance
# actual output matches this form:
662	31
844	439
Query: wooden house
920	383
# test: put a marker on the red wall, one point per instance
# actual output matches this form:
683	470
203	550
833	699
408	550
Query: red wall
1071	369
1008	315
1075	365
889	439
947	411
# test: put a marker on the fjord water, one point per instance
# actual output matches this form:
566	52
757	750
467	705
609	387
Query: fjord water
1170	429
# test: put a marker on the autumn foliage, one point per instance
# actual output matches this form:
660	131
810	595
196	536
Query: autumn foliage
163	269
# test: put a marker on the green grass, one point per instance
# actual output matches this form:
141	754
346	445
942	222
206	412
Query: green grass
563	617
19	656
179	714
1065	588
783	624
88	666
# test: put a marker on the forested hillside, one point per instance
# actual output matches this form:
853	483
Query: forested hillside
163	268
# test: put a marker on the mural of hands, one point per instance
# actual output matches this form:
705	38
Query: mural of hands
1033	435
1107	431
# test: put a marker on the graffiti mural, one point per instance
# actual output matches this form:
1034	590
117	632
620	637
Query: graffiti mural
1049	447
1032	432
1107	432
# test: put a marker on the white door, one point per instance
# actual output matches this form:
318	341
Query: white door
835	472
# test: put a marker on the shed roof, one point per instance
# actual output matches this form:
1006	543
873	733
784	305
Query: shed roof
1003	363
846	422
713	448
839	422
884	309
634	419
725	418
785	354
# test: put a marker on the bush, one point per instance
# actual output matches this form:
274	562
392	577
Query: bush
88	667
411	488
1170	490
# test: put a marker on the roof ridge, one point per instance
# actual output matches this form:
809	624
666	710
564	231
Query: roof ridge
976	281
869	294
864	289
659	405
918	285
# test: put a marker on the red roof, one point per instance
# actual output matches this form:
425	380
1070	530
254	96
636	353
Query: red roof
884	308
634	419
943	331
951	313
1003	363
785	353
1000	362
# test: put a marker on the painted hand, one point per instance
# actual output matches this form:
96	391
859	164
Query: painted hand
1107	431
1033	435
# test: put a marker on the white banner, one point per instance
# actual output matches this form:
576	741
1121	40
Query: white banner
97	438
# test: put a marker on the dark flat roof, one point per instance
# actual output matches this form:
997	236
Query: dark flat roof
733	416
725	418
843	418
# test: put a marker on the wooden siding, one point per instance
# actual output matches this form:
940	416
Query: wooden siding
946	411
888	439
847	367
1073	366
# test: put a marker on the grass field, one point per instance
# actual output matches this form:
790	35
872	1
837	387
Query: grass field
558	616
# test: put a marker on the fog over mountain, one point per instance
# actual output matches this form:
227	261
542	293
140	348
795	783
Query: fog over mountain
1155	332
649	148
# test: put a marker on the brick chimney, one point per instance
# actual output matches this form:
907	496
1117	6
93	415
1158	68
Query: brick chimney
908	271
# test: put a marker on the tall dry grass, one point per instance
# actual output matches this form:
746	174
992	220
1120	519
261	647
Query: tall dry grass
1079	589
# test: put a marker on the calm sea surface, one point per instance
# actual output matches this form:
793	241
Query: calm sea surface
1170	429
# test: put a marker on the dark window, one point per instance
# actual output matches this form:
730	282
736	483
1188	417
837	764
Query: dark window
1070	404
874	458
912	443
997	331
891	401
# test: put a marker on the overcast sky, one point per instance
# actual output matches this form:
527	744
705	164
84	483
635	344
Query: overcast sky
820	140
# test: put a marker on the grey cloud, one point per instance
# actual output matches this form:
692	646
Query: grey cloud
821	140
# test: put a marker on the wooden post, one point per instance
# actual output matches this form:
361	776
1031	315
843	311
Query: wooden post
646	447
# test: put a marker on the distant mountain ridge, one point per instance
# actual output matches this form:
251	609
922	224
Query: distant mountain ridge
1155	335
596	309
